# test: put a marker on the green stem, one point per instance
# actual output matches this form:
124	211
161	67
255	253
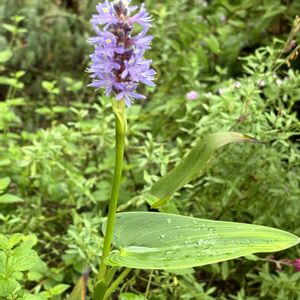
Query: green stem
120	119
116	283
110	275
148	285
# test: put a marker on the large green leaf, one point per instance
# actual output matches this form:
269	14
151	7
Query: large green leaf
148	240
191	166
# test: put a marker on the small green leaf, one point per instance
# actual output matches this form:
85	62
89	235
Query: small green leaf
146	240
8	286
224	270
17	275
45	294
19	74
11	81
213	44
5	56
131	296
252	257
16	101
8	81
4	183
23	260
43	111
33	297
18	18
60	109
10	28
5	162
34	276
59	289
29	241
9	198
14	240
47	85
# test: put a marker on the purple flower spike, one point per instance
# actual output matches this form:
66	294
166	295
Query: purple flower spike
118	63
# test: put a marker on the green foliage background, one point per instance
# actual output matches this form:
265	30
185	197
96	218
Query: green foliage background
57	140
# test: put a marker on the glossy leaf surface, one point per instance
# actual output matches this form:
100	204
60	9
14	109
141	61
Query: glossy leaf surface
148	240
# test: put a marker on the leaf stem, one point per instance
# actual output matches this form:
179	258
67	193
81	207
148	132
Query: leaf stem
116	283
120	121
149	283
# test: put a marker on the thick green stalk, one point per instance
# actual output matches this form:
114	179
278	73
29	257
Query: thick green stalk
120	119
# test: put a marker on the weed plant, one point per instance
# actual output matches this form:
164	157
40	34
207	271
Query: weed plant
57	143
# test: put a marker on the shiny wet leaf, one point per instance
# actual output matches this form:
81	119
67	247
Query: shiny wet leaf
146	240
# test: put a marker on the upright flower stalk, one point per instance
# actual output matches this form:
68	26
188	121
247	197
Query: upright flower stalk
120	125
118	66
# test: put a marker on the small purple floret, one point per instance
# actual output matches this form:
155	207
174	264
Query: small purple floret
192	95
141	18
118	63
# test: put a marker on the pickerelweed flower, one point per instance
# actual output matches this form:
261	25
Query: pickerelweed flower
118	62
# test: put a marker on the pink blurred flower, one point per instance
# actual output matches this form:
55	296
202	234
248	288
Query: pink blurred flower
192	95
296	264
223	19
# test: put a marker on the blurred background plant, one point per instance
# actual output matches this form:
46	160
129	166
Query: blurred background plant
56	150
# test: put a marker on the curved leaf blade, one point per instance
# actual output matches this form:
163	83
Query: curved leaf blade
80	289
192	166
148	240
